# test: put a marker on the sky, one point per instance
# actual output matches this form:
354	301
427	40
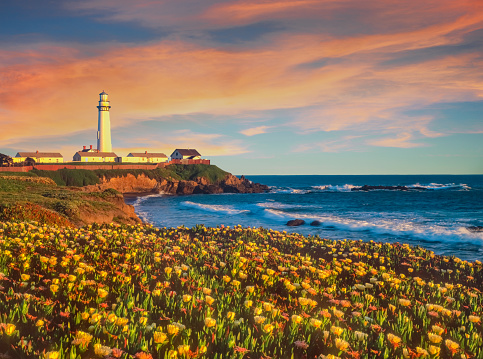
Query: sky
258	87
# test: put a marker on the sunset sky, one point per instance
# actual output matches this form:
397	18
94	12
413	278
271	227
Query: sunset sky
259	87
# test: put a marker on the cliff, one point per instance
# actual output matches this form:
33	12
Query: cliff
141	183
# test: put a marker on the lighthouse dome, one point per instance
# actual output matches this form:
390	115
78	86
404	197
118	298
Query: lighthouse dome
103	93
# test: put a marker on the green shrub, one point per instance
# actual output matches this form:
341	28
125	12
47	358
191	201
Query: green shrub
70	177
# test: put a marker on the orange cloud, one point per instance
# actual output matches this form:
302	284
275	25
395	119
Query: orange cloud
403	140
255	130
51	89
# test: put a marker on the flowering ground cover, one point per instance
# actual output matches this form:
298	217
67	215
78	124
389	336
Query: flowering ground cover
119	291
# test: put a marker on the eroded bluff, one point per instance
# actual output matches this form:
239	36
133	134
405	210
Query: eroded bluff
144	184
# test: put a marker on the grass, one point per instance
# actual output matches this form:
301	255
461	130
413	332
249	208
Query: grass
64	201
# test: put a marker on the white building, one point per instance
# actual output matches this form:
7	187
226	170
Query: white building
87	156
39	157
104	125
185	154
145	157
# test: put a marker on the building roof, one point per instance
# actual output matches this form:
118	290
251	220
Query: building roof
38	154
96	154
187	152
148	155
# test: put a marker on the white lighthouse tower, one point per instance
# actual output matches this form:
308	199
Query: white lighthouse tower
104	126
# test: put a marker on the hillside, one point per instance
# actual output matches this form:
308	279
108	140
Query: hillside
29	197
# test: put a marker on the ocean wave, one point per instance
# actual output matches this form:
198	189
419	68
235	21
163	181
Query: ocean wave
139	200
335	188
438	186
430	186
402	227
216	208
288	190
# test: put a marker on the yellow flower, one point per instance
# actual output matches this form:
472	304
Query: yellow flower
230	315
51	355
112	318
172	354
203	349
250	289
259	319
54	288
168	270
82	338
39	323
226	278
394	340
438	330
434	338
336	330
101	350
433	350
186	298
172	329
268	328
451	345
9	329
143	320
183	349
209	300
25	277
338	313
101	293
303	301
206	291
342	345
474	318
235	283
315	322
404	302
296	318
122	321
210	322
422	352
248	303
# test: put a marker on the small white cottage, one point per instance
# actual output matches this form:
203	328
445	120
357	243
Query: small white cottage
185	154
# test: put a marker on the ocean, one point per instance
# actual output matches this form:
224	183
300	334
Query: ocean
435	217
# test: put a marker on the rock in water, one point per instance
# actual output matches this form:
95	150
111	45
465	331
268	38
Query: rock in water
295	222
475	228
315	223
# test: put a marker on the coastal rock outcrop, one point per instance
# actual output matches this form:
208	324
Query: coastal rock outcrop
118	211
142	184
295	222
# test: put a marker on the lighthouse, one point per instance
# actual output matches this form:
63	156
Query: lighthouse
104	125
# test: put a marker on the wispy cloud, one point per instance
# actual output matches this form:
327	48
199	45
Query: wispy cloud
403	140
255	130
